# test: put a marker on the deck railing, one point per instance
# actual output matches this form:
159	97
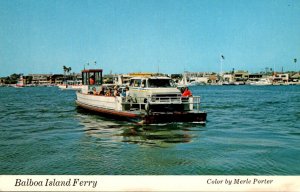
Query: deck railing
193	101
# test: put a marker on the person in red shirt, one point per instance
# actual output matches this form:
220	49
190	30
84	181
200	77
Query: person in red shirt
187	92
92	80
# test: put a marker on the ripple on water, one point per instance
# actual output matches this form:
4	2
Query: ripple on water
250	131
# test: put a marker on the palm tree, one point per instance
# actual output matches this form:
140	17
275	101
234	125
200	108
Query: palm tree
69	69
65	69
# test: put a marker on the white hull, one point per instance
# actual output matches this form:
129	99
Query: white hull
261	82
105	102
19	86
70	87
113	106
20	83
156	106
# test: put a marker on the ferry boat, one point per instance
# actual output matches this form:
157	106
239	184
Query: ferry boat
149	100
70	85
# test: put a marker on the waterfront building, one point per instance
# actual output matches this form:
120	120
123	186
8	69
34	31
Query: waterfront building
241	76
108	79
176	77
201	77
142	74
228	78
213	79
295	77
121	79
255	77
40	79
200	80
281	78
75	77
57	79
26	79
47	79
191	78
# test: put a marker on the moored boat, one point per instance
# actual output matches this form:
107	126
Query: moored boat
70	85
20	83
261	82
149	100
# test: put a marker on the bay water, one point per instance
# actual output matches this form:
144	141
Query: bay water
250	130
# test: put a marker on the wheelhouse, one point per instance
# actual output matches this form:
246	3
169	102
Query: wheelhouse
92	77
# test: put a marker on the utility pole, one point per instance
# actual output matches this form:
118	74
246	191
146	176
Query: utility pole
221	66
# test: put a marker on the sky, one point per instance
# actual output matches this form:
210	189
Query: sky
169	36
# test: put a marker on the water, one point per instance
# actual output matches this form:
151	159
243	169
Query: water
250	131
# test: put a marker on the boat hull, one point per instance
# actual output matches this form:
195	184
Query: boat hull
109	112
183	117
141	117
70	87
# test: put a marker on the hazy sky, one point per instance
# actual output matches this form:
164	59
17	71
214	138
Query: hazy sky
41	36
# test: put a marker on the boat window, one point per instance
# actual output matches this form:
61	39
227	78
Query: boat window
131	83
98	78
84	79
91	78
143	83
160	83
137	83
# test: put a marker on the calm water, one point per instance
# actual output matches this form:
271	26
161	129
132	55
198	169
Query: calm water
250	130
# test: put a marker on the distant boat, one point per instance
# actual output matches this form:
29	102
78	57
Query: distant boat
263	81
20	83
239	83
226	83
185	83
70	85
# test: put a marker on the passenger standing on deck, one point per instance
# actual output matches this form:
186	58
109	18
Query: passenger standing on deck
187	92
182	90
108	92
92	80
101	92
116	91
95	91
123	93
127	91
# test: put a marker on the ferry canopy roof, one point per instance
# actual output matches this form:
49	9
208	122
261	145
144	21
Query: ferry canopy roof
146	77
91	70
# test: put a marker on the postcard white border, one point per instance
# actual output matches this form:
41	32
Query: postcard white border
151	183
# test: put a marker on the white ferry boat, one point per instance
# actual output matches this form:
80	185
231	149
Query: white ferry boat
149	100
70	85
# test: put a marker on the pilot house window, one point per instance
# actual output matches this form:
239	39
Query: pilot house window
135	82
